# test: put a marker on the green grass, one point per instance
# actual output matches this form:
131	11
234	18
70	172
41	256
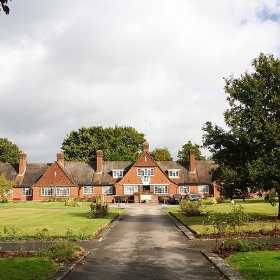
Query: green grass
26	268
257	265
260	210
52	218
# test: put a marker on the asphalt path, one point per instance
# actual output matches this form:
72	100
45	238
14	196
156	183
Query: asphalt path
145	244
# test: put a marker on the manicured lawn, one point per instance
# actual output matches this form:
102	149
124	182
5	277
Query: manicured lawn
51	218
26	268
257	265
260	210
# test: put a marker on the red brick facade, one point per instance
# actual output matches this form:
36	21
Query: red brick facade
145	179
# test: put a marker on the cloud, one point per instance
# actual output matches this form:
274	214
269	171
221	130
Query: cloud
157	66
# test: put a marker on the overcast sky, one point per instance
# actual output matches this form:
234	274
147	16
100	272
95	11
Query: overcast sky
155	65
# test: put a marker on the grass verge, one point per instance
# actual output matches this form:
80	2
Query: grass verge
256	265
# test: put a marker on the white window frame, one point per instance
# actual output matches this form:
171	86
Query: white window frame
118	173
185	189
145	171
47	191
173	173
62	191
130	189
26	191
203	189
88	190
161	189
107	189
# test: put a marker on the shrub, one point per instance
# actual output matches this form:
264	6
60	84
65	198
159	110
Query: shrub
61	252
190	208
73	201
98	210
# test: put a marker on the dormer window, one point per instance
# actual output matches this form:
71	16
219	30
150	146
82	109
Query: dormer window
118	173
173	173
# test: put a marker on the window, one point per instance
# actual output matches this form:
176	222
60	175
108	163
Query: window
184	189
107	190
161	189
130	189
88	190
145	171
203	189
173	173
26	191
47	191
62	191
118	173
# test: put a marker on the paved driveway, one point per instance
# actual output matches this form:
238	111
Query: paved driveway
145	244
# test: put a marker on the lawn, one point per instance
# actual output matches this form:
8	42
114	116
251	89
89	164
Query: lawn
257	265
262	214
33	219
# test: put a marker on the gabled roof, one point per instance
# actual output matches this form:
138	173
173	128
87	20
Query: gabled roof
145	160
34	171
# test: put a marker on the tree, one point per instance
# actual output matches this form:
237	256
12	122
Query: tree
184	153
248	152
5	8
6	188
161	154
8	151
117	143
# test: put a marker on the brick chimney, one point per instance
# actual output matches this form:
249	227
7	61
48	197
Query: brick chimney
99	161
22	163
146	147
192	160
60	158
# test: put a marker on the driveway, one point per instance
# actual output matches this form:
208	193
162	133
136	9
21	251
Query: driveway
145	244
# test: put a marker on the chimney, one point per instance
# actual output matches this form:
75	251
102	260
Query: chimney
192	160
22	163
60	158
146	147
99	161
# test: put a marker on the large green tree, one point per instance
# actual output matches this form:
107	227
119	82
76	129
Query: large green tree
117	143
161	154
8	151
186	148
248	150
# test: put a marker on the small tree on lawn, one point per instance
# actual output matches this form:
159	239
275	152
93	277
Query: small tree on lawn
6	188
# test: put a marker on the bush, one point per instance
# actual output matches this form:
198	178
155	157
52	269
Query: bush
72	201
190	208
61	252
98	210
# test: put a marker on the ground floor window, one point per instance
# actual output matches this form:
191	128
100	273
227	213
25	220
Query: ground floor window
203	189
26	191
47	191
63	191
130	189
107	190
88	190
184	189
161	189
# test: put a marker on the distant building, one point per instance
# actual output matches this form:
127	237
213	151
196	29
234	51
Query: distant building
142	180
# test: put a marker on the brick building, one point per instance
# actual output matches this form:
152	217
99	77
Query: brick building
144	179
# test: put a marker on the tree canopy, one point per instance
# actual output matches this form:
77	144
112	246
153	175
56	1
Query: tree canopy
161	154
8	151
4	6
248	151
6	188
117	143
186	148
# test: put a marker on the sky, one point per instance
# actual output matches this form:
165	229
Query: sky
155	65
